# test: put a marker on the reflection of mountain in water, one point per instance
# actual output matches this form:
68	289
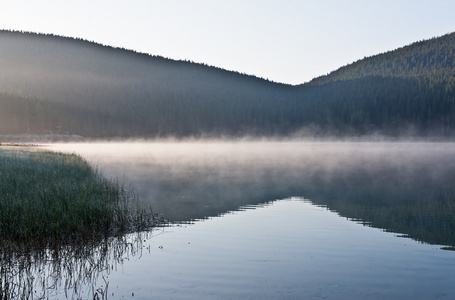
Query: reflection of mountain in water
404	187
425	212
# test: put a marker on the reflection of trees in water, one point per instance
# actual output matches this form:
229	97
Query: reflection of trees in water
406	188
416	198
76	271
399	190
421	209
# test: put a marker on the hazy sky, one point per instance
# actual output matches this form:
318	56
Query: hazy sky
283	40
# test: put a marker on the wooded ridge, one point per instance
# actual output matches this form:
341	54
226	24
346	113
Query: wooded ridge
51	84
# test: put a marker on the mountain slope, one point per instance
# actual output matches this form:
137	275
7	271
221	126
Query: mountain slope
408	90
57	84
93	90
433	59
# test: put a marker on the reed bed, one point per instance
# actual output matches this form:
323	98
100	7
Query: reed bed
58	213
49	199
72	272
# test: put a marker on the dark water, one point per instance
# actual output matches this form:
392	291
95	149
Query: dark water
357	220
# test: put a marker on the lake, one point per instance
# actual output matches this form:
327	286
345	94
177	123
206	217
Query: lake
281	220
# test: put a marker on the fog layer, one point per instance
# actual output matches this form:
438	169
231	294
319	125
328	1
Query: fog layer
186	181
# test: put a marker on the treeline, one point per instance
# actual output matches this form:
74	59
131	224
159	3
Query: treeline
392	106
432	59
409	88
51	83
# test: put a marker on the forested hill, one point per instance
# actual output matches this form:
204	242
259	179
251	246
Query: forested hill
432	59
410	90
51	84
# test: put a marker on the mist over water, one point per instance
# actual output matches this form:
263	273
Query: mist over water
293	220
372	182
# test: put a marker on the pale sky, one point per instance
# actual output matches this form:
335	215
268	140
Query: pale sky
286	41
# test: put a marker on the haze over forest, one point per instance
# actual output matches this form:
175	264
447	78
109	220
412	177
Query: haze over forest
51	84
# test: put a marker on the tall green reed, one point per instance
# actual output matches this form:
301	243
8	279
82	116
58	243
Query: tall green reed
49	199
60	216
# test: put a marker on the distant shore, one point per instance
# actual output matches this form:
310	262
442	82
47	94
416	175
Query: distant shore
40	139
30	139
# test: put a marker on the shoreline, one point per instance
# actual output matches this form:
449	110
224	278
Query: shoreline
36	140
2	144
32	139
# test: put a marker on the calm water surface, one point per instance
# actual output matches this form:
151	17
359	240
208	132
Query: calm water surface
356	220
